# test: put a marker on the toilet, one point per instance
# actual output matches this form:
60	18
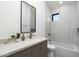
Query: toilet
51	50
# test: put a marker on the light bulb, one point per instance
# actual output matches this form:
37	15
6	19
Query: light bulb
60	1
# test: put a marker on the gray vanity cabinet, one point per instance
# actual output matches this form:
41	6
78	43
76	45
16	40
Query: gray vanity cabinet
23	53
44	49
38	50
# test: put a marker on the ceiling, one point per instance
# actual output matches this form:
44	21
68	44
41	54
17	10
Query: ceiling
55	4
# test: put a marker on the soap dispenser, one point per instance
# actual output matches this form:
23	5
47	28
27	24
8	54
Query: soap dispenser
23	37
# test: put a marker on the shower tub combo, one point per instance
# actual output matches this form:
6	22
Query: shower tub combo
62	50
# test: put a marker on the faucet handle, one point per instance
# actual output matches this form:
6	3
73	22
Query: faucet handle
23	37
30	35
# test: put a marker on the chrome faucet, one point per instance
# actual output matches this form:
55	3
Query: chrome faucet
23	37
30	35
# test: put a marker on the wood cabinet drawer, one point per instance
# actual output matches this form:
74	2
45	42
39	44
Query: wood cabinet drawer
40	50
23	53
44	49
44	44
36	49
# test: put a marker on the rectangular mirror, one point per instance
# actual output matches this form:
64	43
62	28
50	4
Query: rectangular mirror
28	18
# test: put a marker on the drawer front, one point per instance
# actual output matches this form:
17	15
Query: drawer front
40	50
44	49
23	53
36	50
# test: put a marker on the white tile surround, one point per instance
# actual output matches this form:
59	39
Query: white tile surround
66	29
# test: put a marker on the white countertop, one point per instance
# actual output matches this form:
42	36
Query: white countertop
8	49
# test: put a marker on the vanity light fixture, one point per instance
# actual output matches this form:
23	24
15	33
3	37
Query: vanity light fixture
60	1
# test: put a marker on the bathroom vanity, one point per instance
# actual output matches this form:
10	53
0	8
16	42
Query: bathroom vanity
36	47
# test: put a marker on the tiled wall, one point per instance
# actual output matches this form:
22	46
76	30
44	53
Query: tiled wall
65	30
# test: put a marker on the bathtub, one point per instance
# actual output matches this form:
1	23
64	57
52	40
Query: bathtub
63	50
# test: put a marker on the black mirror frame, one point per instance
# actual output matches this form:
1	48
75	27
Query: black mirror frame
21	17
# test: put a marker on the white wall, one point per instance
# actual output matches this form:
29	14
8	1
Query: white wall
9	18
65	30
